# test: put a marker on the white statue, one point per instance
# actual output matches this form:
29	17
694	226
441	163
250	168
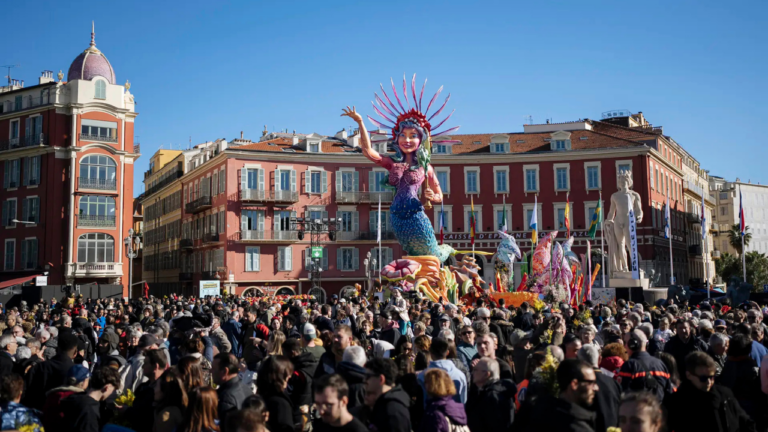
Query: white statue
616	223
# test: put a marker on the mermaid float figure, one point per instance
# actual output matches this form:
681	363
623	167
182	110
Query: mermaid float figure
409	167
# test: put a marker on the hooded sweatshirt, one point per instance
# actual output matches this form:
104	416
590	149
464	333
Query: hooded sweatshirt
438	410
390	412
354	375
300	383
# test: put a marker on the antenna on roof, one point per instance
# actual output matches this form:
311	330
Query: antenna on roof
9	67
529	118
190	142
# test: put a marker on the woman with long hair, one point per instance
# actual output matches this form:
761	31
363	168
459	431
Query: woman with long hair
170	401
442	411
271	384
202	412
190	373
275	344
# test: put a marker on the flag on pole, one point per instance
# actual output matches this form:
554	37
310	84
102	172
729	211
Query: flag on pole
595	220
703	220
472	221
667	229
378	222
742	221
504	214
534	220
442	223
567	213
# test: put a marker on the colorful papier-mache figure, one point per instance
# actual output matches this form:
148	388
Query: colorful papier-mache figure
412	134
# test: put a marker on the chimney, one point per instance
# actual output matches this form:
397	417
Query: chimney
295	139
46	77
342	134
241	134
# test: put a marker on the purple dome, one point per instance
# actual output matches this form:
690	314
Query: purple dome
91	63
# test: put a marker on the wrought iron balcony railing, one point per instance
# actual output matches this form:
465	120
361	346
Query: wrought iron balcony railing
96	184
198	205
97	221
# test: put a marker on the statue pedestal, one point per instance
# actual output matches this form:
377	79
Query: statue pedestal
628	288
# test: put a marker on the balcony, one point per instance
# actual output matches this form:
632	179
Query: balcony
698	190
98	138
17	143
277	197
165	180
96	184
364	197
363	235
28	102
95	221
198	205
692	217
186	243
209	275
694	250
253	235
88	270
716	254
185	276
211	238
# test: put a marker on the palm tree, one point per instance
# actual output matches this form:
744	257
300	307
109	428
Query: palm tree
734	236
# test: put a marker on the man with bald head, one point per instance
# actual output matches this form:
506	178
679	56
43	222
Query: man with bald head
643	372
492	405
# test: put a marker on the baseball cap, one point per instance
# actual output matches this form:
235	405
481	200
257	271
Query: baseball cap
147	340
334	296
720	323
309	331
445	318
78	374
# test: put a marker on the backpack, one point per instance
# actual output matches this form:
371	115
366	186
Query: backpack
454	427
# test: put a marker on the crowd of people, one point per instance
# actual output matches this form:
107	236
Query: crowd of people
386	365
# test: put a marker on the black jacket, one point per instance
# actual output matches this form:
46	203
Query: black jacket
326	365
142	413
492	408
690	409
390	412
606	404
552	414
43	377
679	350
634	375
390	335
231	396
283	415
7	365
300	383
354	375
81	414
741	376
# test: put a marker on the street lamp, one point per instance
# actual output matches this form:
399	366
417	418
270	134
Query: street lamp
131	254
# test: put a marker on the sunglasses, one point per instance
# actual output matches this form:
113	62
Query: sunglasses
705	378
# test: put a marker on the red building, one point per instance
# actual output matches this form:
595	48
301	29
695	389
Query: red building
237	199
67	155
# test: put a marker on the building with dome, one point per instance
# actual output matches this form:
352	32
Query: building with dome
66	154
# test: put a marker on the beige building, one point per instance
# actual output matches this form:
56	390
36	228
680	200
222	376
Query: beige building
700	250
755	198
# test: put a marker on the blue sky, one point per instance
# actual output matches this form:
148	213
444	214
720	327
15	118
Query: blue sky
209	69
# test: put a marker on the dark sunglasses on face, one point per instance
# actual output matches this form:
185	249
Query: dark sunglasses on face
705	378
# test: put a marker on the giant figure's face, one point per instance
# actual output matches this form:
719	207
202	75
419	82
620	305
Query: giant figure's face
409	140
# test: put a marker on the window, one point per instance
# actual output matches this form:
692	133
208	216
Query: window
11	174
442	149
222	222
14	132
386	257
252	178
314	147
32	171
347	221
215	184
624	167
101	90
95	247
17	103
316	182
723	209
97	171
99	130
9	212
222	181
284	258
29	254
472	186
323	262
499	147
347	181
530	180
501	180
561	175
31	209
283	180
373	221
33	130
443	179
375	180
499	213
252	220
283	220
593	175
559	144
590	207
10	254
348	259
653	183
252	258
560	218
95	205
478	218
